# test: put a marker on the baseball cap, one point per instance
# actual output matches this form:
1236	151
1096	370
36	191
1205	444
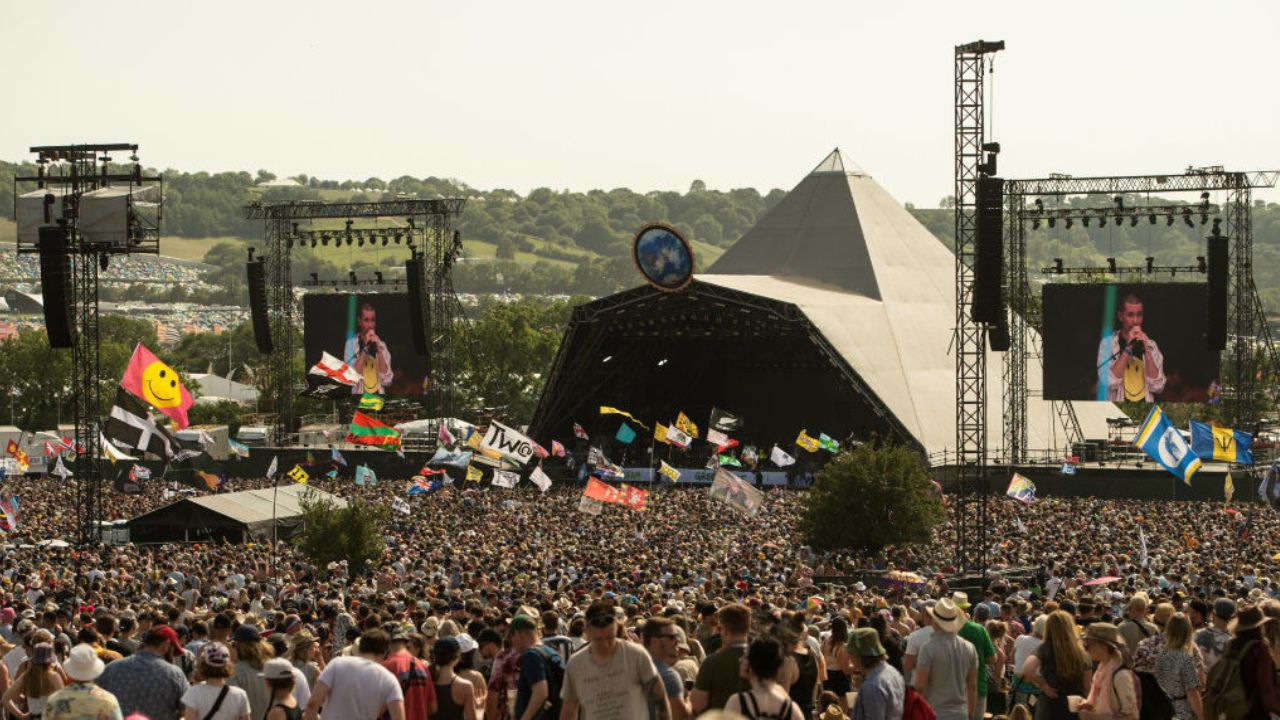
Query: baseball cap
160	633
277	669
215	654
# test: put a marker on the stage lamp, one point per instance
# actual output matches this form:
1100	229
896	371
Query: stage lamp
1119	202
384	240
1053	221
313	241
1204	217
1201	264
1085	220
1151	263
1169	220
288	243
378	274
315	278
398	238
360	241
1133	220
1111	265
1070	222
1186	217
1152	218
1057	265
1120	220
349	238
1204	198
662	362
1035	224
352	275
1102	221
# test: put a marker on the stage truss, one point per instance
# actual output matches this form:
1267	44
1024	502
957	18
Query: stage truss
427	228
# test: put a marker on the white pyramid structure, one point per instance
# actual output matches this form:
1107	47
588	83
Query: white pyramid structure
881	289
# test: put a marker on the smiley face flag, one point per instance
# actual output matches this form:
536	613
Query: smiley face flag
157	384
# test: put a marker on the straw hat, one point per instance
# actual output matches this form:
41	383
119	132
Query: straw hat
1105	633
946	616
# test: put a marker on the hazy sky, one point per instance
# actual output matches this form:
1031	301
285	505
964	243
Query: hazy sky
648	95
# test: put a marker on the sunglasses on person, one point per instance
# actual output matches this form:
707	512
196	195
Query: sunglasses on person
600	621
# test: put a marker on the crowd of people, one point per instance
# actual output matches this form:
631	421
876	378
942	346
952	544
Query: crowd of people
513	604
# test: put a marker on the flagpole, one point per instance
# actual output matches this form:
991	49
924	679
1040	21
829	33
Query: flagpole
275	490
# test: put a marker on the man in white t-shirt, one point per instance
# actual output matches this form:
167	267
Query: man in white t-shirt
357	687
613	678
915	641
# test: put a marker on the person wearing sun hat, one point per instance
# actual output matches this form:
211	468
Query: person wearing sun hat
1258	670
1113	692
882	692
81	698
947	665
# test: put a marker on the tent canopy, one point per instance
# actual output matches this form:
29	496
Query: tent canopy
245	516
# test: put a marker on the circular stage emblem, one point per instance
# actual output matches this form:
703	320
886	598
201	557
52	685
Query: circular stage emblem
663	256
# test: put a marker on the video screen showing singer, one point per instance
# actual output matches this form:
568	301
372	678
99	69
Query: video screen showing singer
368	354
1130	364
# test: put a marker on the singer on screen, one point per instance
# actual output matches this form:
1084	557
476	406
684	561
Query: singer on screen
1130	363
368	354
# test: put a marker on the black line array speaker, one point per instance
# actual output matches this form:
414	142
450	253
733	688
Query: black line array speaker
1216	335
256	270
998	333
419	305
987	302
55	286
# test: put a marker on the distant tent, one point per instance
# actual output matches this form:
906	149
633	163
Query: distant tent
237	517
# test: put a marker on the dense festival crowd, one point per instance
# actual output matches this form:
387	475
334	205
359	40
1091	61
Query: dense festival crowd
485	599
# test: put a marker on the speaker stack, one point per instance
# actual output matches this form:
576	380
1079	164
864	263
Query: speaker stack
55	286
256	270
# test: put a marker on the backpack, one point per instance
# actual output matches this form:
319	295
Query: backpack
562	645
1137	689
1157	704
915	707
1224	694
555	667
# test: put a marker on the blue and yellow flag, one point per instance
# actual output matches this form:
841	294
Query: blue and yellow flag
1220	443
1158	438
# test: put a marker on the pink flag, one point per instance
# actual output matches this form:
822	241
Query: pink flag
446	438
158	384
557	449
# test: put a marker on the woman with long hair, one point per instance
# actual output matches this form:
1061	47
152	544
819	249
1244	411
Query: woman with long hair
251	655
302	654
1059	667
213	667
1176	669
839	664
37	681
766	698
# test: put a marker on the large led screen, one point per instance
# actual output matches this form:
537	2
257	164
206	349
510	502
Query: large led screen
1137	342
371	333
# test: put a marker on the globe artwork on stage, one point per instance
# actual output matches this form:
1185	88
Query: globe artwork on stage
663	256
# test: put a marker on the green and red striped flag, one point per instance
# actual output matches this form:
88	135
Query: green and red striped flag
365	430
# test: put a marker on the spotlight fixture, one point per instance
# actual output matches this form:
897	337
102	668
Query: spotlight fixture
1151	263
360	241
1102	221
378	274
1186	217
313	241
1111	265
1035	224
288	243
1120	220
315	278
1053	221
1070	222
1201	264
1039	206
1204	217
1119	202
384	241
1152	218
399	236
1204	198
662	362
1169	220
1133	221
352	275
1085	220
1057	265
349	238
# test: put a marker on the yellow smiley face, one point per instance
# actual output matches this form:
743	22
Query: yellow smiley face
160	385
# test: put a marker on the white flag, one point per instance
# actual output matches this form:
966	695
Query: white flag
400	505
111	452
1142	546
540	479
61	470
715	437
509	442
271	469
505	478
590	506
678	437
780	458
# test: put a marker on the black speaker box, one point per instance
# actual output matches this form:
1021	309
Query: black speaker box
257	274
56	287
987	302
1216	335
419	305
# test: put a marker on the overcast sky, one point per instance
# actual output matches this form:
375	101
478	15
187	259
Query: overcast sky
648	94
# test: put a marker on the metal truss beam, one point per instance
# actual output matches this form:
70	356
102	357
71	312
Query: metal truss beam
389	208
1192	181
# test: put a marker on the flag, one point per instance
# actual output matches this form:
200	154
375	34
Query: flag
686	425
509	442
660	432
332	474
1161	440
608	472
9	508
606	410
600	490
364	475
364	430
474	474
668	472
1021	489
807	443
557	449
724	421
828	443
67	443
445	437
540	451
158	384
125	485
17	453
111	452
48	449
298	475
678	437
1142	546
1228	488
428	471
400	505
204	438
61	470
1220	443
750	455
736	493
371	402
778	457
337	456
130	425
236	448
275	464
457	459
424	486
400	452
717	438
625	434
330	378
728	460
633	497
580	433
1269	488
590	506
539	478
139	473
505	479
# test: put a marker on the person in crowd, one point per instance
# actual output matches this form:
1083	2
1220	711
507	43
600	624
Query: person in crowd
1256	668
1022	688
719	676
1113	691
1058	668
358	687
883	690
81	697
468	653
455	696
947	666
148	682
213	667
660	637
765	698
415	682
976	635
251	655
302	652
839	664
1213	639
35	683
1176	671
279	677
611	675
